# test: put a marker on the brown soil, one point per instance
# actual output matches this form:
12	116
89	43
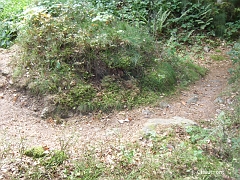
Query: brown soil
21	123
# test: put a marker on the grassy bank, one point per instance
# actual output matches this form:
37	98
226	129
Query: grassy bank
93	61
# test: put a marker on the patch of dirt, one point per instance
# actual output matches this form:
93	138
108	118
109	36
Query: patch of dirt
20	121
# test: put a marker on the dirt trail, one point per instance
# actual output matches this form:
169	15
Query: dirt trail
201	101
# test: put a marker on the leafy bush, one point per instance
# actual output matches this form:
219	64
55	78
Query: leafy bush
161	17
67	47
93	60
232	30
7	34
98	47
10	15
235	56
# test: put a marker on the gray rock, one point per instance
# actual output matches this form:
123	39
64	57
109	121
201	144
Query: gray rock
6	71
150	125
65	115
164	105
193	100
146	112
174	120
229	101
219	100
45	113
206	49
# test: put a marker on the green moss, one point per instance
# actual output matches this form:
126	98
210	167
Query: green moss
79	96
35	152
217	57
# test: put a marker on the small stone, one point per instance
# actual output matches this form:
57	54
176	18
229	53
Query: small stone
193	100
229	101
146	112
122	121
206	49
73	83
164	105
45	113
10	82
5	71
219	100
170	147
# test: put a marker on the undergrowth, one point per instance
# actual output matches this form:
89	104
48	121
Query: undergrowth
10	16
93	61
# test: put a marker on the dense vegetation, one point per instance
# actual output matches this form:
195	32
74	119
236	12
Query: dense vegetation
94	60
104	55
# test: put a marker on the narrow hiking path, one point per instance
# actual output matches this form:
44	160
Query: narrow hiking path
21	124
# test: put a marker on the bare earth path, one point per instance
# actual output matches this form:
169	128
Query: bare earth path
22	125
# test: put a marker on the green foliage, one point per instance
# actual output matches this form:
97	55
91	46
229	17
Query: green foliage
185	70
46	163
55	159
160	78
198	134
235	56
88	167
93	60
76	44
9	9
98	48
7	34
161	16
79	97
10	16
232	30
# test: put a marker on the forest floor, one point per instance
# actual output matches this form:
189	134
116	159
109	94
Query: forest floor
21	124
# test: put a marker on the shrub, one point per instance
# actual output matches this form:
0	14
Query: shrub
235	56
66	48
232	30
10	16
78	52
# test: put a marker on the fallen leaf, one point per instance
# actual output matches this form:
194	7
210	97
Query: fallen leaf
50	120
183	103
